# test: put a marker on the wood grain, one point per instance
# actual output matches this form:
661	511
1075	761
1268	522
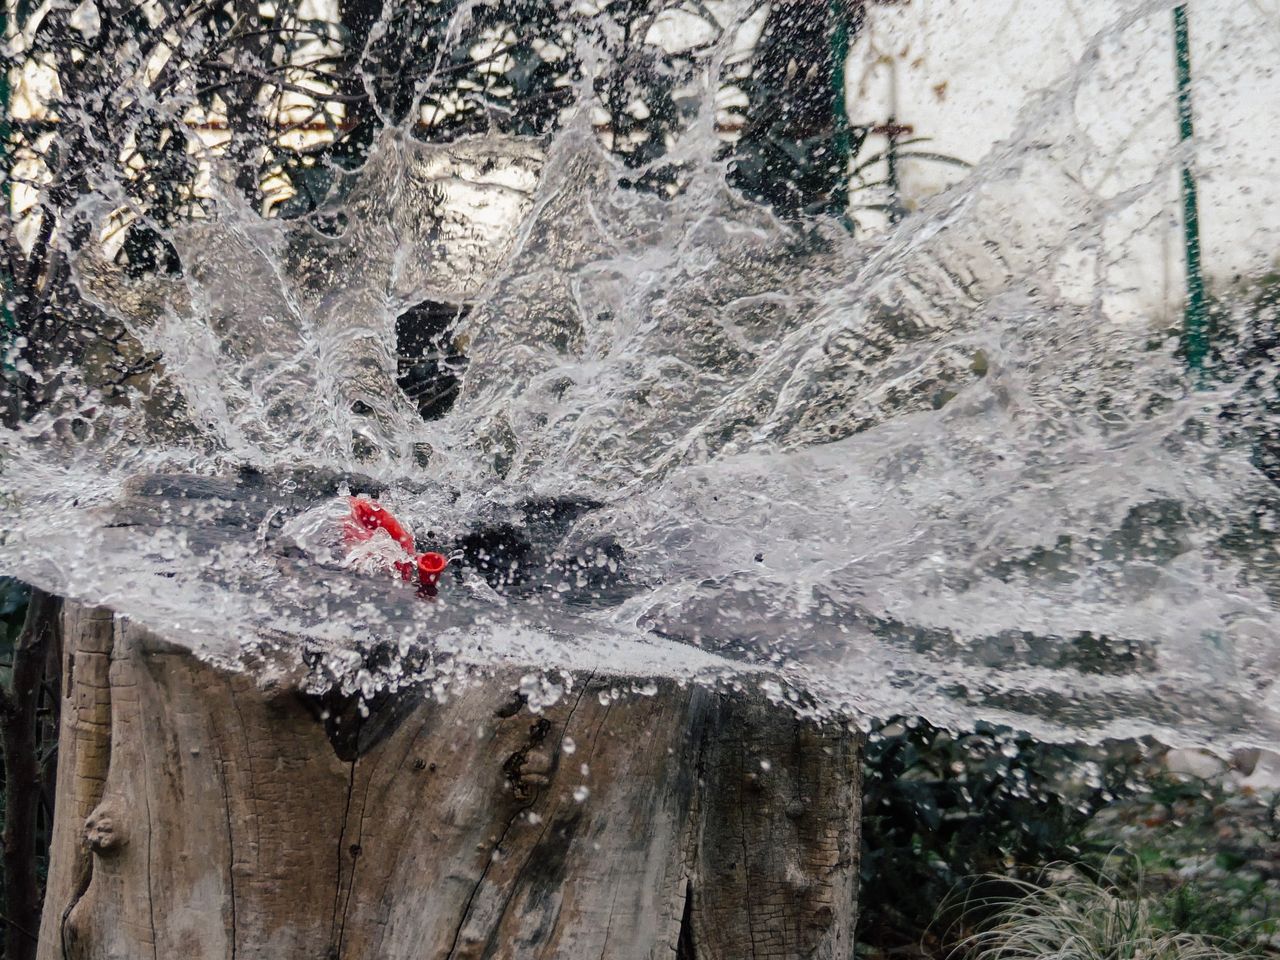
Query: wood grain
203	816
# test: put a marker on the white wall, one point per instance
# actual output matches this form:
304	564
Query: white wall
964	72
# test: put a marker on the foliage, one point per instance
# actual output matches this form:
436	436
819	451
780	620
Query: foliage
940	807
1197	911
147	95
28	731
1075	917
13	609
1244	338
968	820
137	113
794	153
1207	855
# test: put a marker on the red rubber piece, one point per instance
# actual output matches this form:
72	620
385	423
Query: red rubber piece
430	566
369	516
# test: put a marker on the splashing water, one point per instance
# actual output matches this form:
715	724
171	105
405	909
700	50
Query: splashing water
935	470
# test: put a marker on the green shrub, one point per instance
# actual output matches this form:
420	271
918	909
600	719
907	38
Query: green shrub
1073	917
941	808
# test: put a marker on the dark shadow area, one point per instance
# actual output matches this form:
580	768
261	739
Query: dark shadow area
429	362
527	549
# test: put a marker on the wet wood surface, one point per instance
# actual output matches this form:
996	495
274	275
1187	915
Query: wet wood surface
205	813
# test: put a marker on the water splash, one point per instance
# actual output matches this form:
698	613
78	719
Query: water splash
935	471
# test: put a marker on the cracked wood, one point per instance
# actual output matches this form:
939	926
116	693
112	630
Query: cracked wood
205	816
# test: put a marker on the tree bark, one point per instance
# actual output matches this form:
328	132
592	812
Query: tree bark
204	813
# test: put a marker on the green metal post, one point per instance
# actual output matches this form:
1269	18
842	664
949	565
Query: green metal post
1195	330
839	109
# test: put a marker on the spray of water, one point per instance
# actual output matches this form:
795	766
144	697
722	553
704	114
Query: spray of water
934	470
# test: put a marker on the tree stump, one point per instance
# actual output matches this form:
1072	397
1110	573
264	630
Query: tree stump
203	814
